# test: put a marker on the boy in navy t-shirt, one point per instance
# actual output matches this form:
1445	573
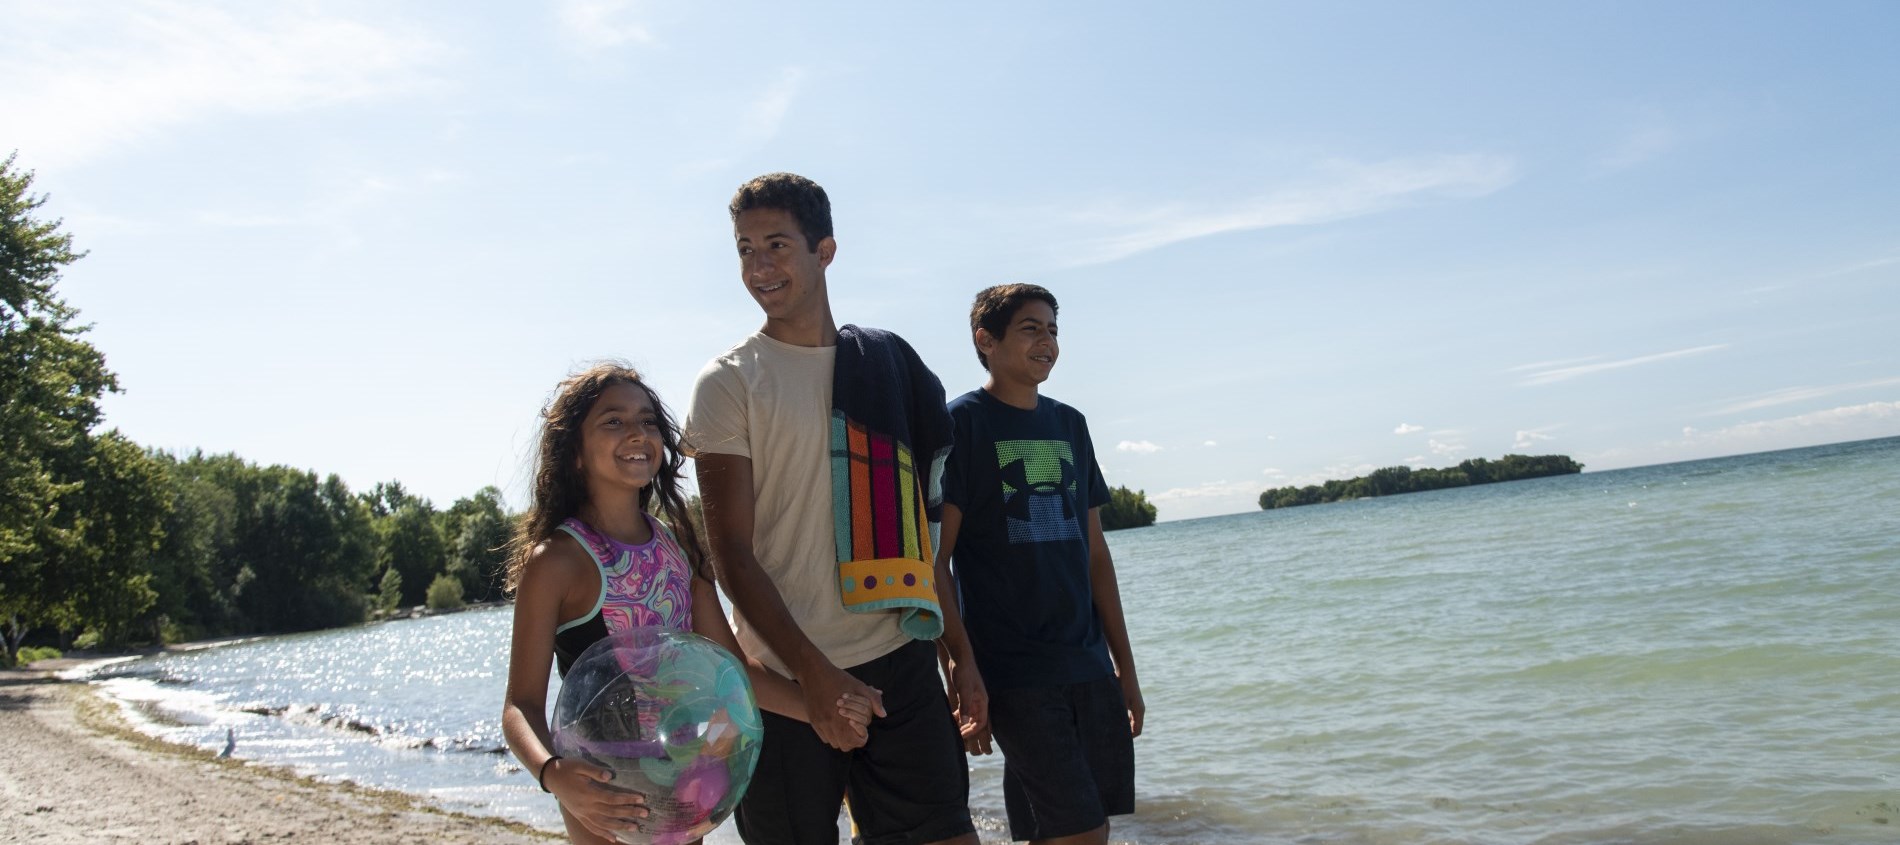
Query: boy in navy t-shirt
1023	548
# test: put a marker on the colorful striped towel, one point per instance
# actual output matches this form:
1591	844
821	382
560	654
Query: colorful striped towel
887	409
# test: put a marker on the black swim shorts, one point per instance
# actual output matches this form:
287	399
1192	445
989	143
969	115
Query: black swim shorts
1068	757
907	786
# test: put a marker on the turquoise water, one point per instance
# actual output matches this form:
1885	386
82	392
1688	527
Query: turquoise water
1705	652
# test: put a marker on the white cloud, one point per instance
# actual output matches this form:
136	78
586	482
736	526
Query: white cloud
1529	439
1210	444
1272	472
1797	394
1210	490
1208	499
1351	189
85	79
1834	425
1141	447
1545	365
1446	449
1407	428
1553	376
1851	422
1341	470
596	25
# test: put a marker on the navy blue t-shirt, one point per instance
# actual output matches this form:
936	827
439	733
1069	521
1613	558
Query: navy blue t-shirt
1025	481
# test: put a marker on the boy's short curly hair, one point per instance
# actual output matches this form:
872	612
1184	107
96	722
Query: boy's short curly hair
995	306
790	192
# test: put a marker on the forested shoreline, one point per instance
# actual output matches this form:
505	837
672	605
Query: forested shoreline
1392	481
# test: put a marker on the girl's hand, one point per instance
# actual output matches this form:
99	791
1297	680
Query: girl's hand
859	710
587	791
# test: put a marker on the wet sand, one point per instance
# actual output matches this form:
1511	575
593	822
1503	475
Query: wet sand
73	772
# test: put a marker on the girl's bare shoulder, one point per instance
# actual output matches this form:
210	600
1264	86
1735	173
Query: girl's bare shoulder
559	563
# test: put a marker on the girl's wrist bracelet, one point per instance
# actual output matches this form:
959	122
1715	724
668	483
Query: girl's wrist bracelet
542	778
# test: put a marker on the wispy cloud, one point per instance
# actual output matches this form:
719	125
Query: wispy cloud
1873	419
1864	265
85	79
1349	468
1140	447
754	126
595	25
1834	272
1210	490
1834	425
767	114
1639	146
1210	444
1407	428
1788	395
1546	365
1552	376
1529	438
336	204
1348	189
1445	448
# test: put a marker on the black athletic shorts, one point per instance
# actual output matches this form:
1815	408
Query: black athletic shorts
1068	757
908	785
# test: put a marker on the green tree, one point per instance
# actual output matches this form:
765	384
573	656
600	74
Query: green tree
119	511
389	591
476	531
445	593
198	532
408	542
50	383
304	552
386	498
1127	509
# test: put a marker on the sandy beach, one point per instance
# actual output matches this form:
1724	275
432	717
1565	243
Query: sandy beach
74	772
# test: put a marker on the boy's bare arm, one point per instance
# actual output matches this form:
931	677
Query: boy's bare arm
725	486
1108	606
968	697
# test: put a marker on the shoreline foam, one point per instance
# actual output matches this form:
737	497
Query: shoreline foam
78	773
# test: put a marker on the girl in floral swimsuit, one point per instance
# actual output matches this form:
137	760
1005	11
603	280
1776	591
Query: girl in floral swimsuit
589	559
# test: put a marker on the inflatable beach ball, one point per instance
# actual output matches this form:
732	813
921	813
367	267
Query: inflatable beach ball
672	715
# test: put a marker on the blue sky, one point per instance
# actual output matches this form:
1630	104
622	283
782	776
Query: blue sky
1291	241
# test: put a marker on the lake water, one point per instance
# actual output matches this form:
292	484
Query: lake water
1705	653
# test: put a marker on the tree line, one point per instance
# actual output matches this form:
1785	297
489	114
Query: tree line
104	542
1391	481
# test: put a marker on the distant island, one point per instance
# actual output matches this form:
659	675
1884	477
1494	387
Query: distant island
1392	481
1127	509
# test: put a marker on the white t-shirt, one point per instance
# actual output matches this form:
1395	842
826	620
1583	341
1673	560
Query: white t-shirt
770	401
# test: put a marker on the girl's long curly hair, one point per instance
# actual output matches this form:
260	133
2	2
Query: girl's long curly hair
560	489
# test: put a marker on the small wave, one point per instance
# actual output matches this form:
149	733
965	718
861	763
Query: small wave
391	736
1690	664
